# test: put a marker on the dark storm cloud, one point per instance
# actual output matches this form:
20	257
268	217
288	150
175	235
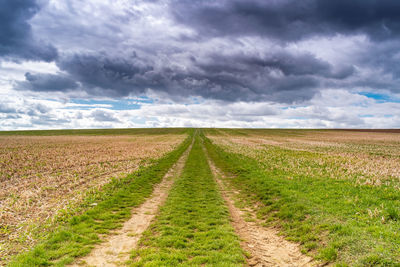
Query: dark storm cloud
112	76
380	19
291	20
289	64
386	58
274	77
47	83
280	76
16	39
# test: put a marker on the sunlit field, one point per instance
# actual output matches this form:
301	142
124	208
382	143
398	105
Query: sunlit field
335	192
44	178
316	196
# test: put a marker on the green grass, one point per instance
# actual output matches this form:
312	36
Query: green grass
335	220
193	226
130	131
114	204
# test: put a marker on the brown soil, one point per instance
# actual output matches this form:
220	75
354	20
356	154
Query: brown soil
264	244
115	251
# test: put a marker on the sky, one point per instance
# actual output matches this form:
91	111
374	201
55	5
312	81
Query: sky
199	63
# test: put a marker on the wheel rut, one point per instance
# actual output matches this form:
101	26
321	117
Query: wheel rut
265	245
115	250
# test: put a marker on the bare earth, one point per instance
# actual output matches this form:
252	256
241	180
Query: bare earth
115	251
264	244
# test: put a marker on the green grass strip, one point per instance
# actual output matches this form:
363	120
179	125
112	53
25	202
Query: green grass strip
334	219
193	226
78	236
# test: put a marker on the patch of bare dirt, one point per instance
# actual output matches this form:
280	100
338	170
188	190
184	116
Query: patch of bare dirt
115	251
264	244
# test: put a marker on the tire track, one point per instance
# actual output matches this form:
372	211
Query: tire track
116	249
264	244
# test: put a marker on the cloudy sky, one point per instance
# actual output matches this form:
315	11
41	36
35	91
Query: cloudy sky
201	63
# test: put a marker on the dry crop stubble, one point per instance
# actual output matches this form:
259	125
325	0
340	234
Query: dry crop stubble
43	176
371	156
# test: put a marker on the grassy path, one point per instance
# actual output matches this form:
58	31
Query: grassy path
264	244
193	227
110	209
115	250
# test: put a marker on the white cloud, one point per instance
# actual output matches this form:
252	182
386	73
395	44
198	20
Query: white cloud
331	109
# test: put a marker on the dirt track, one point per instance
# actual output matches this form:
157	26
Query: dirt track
115	250
266	247
264	244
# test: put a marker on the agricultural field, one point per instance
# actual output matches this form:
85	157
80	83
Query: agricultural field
45	176
200	197
334	192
